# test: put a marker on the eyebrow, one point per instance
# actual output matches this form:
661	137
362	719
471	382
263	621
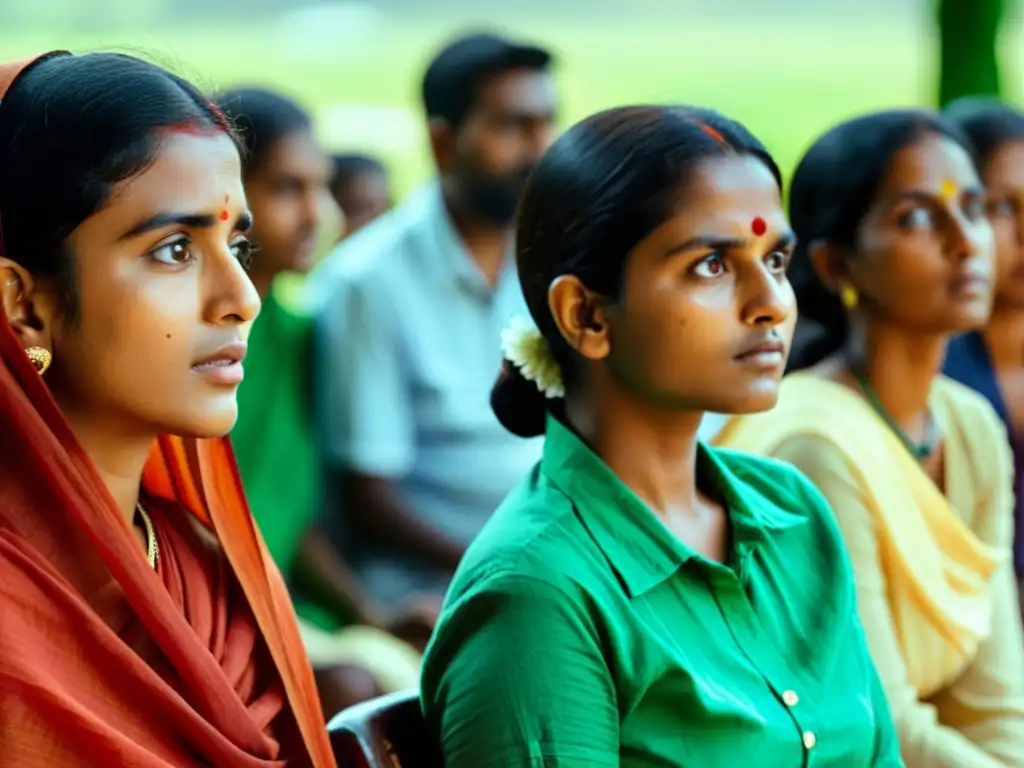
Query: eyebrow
785	240
930	197
190	220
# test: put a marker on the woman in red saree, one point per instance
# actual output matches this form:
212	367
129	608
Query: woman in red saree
142	621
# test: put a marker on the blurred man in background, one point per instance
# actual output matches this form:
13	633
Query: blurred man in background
410	315
361	188
353	654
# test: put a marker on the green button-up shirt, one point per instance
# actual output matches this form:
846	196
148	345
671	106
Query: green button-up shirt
579	632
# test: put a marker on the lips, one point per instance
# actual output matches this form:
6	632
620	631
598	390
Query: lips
767	354
223	366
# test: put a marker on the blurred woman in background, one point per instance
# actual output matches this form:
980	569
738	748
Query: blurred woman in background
896	256
641	600
285	175
143	621
991	360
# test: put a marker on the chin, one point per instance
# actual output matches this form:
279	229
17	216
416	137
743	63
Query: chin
761	396
212	423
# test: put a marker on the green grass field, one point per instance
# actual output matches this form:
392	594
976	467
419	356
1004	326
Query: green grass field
786	81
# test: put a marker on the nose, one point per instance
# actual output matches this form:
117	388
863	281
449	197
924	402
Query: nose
229	296
768	301
968	238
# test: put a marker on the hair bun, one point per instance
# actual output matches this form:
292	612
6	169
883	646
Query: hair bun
520	407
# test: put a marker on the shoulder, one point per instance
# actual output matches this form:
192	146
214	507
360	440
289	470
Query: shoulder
971	411
534	535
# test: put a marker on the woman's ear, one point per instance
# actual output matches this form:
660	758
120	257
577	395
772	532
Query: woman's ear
580	316
24	305
829	263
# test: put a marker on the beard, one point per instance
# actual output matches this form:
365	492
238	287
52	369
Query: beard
494	198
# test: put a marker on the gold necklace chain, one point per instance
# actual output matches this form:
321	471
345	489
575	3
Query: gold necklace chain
152	546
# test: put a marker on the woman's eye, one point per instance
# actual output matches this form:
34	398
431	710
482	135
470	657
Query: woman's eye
1002	207
175	253
243	250
777	261
712	266
974	209
917	218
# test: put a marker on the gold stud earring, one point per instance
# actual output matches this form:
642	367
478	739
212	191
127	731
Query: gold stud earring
40	358
848	295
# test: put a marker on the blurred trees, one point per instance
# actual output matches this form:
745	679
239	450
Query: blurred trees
968	48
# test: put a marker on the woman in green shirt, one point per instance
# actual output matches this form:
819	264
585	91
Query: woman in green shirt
642	599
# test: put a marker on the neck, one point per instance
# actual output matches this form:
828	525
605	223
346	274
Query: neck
900	366
117	455
654	454
1004	338
486	243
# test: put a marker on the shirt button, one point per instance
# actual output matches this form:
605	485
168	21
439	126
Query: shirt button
809	740
790	699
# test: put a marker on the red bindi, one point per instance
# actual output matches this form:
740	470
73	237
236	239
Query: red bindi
758	227
223	215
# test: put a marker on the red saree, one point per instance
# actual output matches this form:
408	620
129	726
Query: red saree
104	661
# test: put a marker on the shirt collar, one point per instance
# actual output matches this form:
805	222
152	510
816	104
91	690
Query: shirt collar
456	260
638	546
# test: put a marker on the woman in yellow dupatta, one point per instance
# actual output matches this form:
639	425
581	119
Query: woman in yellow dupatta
896	256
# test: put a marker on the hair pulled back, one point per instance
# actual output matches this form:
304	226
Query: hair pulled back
71	128
988	123
601	188
261	118
832	190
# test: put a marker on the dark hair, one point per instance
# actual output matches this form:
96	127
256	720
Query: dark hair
988	123
454	77
350	166
832	189
260	119
601	188
71	128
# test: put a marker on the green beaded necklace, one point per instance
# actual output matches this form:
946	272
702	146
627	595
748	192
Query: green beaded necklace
919	451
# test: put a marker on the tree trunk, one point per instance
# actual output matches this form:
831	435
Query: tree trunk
968	55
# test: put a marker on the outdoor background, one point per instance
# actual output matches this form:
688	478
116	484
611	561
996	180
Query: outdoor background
786	68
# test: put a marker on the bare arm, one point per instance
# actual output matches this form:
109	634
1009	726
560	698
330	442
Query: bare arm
375	509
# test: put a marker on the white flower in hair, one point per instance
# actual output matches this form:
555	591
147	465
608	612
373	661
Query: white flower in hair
525	347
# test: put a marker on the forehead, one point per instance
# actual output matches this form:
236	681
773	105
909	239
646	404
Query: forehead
188	173
722	198
1006	164
729	188
525	91
928	163
295	154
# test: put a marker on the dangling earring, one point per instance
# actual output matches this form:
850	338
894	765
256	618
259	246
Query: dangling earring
848	295
40	358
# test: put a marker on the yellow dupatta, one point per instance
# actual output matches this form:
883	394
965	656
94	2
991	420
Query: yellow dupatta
937	570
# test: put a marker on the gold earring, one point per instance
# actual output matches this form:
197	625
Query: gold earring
40	358
848	295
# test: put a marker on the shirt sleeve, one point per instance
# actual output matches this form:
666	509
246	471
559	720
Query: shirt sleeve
924	741
515	677
365	414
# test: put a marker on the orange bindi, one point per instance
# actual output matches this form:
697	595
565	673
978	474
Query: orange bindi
713	133
758	226
224	214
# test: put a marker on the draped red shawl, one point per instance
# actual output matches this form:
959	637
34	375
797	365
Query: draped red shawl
104	661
